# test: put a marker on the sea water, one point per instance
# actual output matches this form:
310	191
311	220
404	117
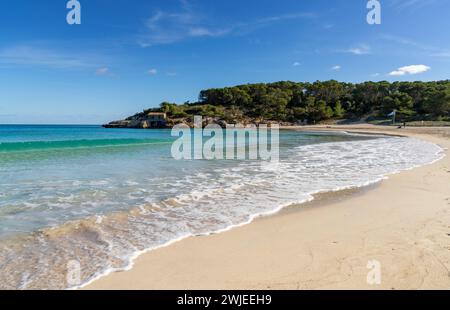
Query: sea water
101	197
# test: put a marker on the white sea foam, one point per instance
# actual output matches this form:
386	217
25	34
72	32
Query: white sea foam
261	189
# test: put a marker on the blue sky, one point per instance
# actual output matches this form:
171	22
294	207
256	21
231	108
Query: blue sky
128	55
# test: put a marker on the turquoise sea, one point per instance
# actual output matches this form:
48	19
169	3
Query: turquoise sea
103	196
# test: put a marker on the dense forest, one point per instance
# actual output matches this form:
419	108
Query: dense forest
292	102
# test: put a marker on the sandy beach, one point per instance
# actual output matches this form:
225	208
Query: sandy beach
403	223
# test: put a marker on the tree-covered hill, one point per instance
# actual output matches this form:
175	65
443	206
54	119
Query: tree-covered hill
292	102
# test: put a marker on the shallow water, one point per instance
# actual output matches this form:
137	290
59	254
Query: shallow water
101	196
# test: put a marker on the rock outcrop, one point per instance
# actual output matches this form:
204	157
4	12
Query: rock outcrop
151	120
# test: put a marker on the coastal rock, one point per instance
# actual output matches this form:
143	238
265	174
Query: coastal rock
160	120
145	120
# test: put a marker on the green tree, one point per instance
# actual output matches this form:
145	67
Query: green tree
438	103
320	100
339	111
401	102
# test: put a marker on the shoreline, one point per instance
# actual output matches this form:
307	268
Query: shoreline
318	199
180	253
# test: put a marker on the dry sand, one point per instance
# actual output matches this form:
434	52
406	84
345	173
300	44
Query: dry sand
404	223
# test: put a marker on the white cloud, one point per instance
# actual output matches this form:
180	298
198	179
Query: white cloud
205	32
105	71
171	27
426	49
283	17
102	71
32	55
296	64
413	69
407	4
360	50
152	72
247	27
441	54
336	68
167	28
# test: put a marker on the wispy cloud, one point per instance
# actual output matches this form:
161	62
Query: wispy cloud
284	17
38	56
245	28
411	4
296	64
105	71
426	49
102	71
405	41
410	70
336	68
361	49
441	54
152	71
171	27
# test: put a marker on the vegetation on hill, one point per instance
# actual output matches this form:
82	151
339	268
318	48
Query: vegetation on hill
292	102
